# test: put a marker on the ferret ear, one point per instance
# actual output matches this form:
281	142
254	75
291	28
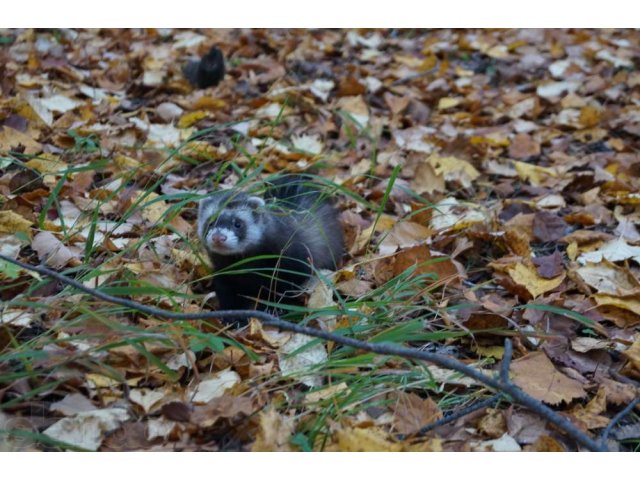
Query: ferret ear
255	203
206	207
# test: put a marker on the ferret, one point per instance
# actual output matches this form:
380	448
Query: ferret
266	248
206	72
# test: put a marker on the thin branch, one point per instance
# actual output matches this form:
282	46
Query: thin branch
604	436
380	348
506	361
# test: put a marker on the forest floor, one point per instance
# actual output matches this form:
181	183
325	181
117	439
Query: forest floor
488	183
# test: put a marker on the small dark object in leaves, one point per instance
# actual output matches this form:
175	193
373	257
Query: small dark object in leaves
206	72
176	411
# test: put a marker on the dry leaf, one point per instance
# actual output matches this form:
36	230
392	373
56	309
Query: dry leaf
537	376
274	432
411	413
87	429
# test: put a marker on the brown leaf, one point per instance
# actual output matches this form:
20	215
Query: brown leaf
402	235
537	376
549	266
548	227
619	393
177	411
523	146
589	415
546	444
526	427
421	258
493	424
411	412
226	406
11	139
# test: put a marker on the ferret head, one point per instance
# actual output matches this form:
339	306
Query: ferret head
230	223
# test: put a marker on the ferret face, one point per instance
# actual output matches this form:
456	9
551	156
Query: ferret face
230	224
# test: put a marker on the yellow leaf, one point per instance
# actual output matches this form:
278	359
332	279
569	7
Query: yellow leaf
208	103
10	139
126	163
189	119
47	164
533	173
454	169
448	102
274	432
496	351
201	151
527	276
365	440
590	116
327	392
11	222
101	381
153	210
632	303
633	354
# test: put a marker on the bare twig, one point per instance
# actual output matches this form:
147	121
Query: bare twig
604	436
506	361
380	348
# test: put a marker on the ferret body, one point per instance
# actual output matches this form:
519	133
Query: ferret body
206	72
265	249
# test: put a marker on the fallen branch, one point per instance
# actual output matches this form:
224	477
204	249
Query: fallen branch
604	436
501	384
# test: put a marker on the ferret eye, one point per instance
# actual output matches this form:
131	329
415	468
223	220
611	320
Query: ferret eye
237	224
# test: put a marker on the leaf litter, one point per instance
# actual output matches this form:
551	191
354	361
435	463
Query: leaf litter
488	186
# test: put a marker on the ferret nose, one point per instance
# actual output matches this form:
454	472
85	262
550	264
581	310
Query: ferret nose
219	238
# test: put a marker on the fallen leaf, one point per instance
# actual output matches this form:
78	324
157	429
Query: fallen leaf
72	404
213	387
226	406
609	279
505	443
356	108
527	276
298	364
147	398
402	235
549	266
53	251
589	414
448	102
615	251
87	429
523	146
526	427
327	392
411	413
454	169
453	214
365	440
537	376
548	227
274	432
11	222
